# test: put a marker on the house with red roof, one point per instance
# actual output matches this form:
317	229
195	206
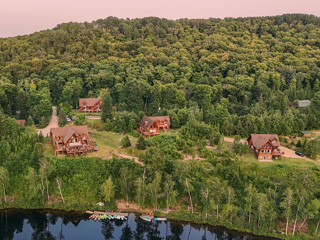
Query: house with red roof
150	126
265	146
71	140
89	105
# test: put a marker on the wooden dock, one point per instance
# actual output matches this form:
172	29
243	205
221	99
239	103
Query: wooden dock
108	213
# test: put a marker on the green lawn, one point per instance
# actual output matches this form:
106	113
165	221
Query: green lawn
251	158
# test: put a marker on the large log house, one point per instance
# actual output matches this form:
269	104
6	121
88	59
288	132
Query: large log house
150	126
89	105
265	146
71	140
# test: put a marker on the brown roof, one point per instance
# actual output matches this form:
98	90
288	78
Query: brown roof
22	121
260	139
147	121
89	101
67	131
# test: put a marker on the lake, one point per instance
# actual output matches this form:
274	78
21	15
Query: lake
56	225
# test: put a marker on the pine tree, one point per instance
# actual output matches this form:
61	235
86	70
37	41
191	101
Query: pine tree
106	105
30	121
141	144
125	142
62	119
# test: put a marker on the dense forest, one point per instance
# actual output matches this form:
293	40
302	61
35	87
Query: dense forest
240	73
212	77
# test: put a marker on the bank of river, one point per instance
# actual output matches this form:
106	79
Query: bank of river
52	224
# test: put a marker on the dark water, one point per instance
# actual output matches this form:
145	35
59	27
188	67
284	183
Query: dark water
48	224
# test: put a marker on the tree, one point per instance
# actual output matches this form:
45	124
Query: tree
249	199
30	121
286	204
43	122
141	144
4	180
62	119
106	105
171	194
44	172
155	189
108	190
125	142
125	183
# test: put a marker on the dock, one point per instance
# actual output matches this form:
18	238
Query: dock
108	213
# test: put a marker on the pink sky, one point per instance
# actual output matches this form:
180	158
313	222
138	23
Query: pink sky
18	17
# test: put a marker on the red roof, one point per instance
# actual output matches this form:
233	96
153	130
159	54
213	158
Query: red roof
89	102
258	140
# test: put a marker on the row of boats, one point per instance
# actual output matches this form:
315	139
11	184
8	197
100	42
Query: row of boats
99	217
146	217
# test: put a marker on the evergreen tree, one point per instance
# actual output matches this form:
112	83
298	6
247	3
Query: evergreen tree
30	121
106	105
43	122
141	144
62	119
125	142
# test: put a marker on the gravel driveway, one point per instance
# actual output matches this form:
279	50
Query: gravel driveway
52	124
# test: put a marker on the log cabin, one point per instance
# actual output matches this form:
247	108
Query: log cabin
89	105
71	140
150	126
265	146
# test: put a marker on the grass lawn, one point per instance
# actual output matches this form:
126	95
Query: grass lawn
109	143
251	158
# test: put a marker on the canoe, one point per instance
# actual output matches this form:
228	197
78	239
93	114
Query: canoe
160	219
146	218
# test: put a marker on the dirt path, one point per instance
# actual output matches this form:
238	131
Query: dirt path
52	124
136	159
229	139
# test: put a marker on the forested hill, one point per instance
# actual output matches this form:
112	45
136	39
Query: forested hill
239	73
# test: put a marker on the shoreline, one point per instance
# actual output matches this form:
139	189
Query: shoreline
83	214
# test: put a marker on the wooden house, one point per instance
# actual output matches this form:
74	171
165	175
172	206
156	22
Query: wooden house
71	140
150	126
21	122
265	146
89	105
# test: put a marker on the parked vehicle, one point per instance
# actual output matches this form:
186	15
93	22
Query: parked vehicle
69	120
300	154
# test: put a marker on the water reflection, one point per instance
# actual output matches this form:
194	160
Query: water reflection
58	225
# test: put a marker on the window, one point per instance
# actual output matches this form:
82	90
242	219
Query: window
262	150
268	151
260	157
265	158
269	157
268	145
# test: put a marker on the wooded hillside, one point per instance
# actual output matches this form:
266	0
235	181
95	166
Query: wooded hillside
240	73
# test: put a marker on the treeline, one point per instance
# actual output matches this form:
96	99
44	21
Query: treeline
236	71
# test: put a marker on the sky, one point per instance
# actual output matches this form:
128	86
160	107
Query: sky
19	17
